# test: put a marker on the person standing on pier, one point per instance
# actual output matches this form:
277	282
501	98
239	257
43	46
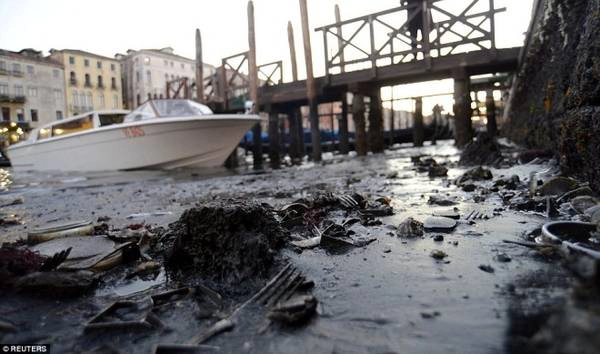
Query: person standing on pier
415	21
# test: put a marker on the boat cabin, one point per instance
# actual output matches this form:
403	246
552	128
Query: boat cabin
82	122
167	108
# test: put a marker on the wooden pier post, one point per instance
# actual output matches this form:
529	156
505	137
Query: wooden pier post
375	134
253	83
340	41
274	147
418	129
343	126
490	109
358	115
310	85
292	46
463	129
199	68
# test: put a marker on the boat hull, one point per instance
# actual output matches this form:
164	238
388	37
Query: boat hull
159	144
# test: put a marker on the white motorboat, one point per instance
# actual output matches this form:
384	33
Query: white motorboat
159	134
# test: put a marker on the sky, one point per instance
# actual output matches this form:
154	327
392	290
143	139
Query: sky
108	27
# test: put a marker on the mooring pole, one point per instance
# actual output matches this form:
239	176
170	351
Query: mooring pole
274	148
375	134
292	46
418	129
490	110
392	125
199	68
253	83
343	125
310	86
463	133
358	115
340	41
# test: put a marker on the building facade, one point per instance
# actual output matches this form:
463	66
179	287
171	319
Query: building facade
147	71
92	82
31	88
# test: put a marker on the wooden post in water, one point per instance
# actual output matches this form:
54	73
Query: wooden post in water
199	68
311	89
375	134
463	129
392	124
295	117
253	83
343	126
340	41
418	129
490	109
358	115
274	147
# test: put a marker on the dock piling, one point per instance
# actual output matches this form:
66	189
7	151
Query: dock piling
418	128
358	115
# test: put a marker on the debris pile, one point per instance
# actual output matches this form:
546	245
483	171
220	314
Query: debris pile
229	243
485	150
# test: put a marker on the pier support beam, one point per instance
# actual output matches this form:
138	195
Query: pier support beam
343	126
274	140
463	129
490	109
418	128
311	89
376	138
253	88
199	69
358	115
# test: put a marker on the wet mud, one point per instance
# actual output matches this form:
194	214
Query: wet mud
320	257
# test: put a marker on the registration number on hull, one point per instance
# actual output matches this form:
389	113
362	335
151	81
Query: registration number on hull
133	132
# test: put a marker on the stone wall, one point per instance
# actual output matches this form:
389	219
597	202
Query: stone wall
555	101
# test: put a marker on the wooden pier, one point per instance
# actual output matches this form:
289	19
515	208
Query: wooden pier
420	40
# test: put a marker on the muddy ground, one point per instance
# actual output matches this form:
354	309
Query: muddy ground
387	296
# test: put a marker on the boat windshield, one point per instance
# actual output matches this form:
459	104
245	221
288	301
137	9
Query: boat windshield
167	108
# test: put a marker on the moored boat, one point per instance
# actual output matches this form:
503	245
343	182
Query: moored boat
159	134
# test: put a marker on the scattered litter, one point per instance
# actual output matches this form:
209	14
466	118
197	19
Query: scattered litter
73	228
410	228
486	268
145	215
439	223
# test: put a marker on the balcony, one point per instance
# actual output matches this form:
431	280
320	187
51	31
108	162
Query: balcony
100	85
87	84
17	73
114	87
12	99
3	71
73	82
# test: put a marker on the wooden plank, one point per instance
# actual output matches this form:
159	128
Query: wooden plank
340	36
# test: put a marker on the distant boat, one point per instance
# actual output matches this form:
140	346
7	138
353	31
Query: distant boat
159	134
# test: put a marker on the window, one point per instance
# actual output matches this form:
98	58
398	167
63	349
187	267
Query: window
87	80
101	100
182	65
146	60
55	73
138	99
34	115
166	62
148	76
149	96
171	64
100	82
137	76
19	90
6	114
110	119
160	96
75	98
16	68
73	126
112	67
30	69
3	89
2	66
113	83
86	62
59	115
72	78
115	103
99	65
89	103
58	94
32	91
155	96
20	115
72	60
44	133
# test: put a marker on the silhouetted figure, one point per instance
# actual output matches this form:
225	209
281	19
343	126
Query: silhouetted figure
415	20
